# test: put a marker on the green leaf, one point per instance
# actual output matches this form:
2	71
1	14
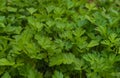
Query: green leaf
5	62
6	75
62	58
2	25
2	19
45	42
113	38
99	19
58	10
2	5
50	8
82	22
31	74
78	64
35	24
70	4
79	32
57	74
13	29
91	6
102	30
31	10
12	9
106	42
93	43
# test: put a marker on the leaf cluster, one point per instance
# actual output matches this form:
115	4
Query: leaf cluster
59	38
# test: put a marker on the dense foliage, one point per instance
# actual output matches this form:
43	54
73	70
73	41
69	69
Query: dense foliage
60	38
